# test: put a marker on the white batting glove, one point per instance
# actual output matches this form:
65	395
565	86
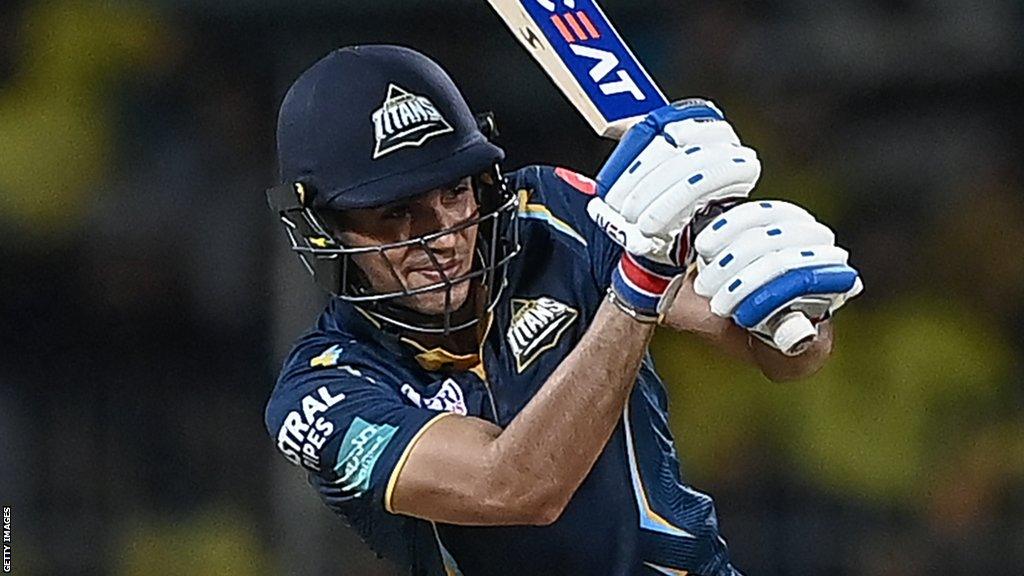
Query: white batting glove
675	162
762	260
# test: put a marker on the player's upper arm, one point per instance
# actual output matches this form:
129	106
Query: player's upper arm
455	474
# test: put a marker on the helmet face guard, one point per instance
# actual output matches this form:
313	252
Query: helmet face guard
334	268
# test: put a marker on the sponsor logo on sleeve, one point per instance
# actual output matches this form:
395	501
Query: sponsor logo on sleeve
537	326
448	399
405	119
305	431
362	446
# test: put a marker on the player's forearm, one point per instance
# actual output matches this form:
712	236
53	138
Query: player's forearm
549	448
775	365
691	313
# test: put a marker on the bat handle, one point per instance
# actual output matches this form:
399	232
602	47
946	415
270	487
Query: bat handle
793	332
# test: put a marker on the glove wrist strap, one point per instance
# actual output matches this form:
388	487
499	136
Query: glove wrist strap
641	288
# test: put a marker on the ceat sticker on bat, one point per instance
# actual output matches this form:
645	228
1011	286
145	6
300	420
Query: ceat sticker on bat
578	181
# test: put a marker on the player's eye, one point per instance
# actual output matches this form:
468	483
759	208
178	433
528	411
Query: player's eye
396	212
457	191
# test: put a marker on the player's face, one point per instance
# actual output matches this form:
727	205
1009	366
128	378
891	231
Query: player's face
436	210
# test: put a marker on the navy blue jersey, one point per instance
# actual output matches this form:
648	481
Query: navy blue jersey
351	402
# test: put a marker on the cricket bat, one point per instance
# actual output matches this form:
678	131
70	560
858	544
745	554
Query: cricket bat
581	51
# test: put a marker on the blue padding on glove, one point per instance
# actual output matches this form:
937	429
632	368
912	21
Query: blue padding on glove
641	135
830	279
685	110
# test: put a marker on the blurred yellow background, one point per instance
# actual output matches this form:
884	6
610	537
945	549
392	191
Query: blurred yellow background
145	302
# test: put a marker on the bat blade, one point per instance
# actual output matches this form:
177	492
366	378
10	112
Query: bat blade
581	51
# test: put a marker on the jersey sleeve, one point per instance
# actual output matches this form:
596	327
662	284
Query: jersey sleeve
344	422
561	196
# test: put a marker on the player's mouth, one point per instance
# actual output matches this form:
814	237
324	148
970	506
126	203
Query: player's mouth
432	274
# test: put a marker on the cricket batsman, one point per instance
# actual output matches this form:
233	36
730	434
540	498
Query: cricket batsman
477	398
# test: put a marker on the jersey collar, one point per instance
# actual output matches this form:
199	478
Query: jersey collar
437	359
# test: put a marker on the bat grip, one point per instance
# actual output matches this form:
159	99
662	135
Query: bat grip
793	332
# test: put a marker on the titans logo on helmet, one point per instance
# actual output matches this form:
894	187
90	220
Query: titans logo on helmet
405	119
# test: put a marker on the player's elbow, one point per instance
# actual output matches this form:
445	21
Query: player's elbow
549	511
543	503
524	498
796	368
533	507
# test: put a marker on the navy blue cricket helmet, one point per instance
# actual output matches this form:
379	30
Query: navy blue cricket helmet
367	125
370	125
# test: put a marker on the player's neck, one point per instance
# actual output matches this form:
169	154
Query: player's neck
462	345
459	343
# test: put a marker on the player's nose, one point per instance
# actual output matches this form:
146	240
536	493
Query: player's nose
444	241
436	216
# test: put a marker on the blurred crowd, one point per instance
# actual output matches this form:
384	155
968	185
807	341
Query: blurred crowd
144	299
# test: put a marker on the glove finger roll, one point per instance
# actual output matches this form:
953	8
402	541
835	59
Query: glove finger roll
623	233
668	214
771	266
753	244
724	229
691	133
637	164
687	177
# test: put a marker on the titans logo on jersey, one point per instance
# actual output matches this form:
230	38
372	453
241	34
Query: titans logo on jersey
351	402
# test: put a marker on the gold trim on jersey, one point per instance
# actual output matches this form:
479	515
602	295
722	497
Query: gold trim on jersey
405	456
